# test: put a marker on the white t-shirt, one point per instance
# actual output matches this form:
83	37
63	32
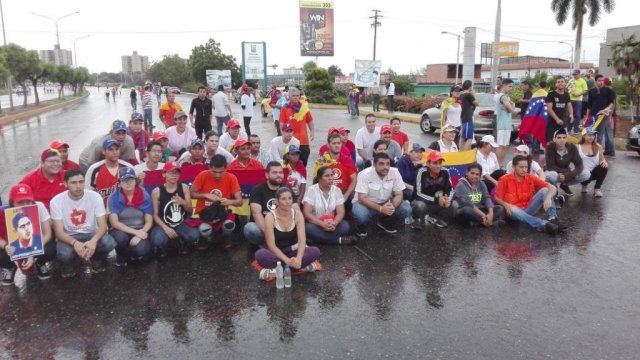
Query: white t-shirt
78	216
276	148
452	148
220	102
295	180
378	190
392	89
489	165
453	116
180	141
142	167
365	139
226	142
221	151
535	167
247	101
321	205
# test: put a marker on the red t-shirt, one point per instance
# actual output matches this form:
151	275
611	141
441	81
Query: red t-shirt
342	175
103	182
252	165
224	188
69	165
168	112
519	193
299	127
400	137
43	189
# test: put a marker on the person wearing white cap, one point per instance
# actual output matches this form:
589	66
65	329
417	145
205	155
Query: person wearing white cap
534	167
485	156
447	144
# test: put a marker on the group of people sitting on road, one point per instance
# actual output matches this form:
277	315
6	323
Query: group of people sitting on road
89	209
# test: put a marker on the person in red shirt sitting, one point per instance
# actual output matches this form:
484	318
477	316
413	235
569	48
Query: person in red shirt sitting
522	195
63	149
244	160
47	180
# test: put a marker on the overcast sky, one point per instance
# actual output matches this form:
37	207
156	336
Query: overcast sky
409	38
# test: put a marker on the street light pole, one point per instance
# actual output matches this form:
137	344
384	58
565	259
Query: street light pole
55	21
571	56
75	55
458	53
4	37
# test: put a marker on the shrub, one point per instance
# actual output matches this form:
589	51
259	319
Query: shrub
414	104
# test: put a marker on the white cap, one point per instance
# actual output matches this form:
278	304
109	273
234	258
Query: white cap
523	148
490	139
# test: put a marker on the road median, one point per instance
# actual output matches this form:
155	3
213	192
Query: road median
21	114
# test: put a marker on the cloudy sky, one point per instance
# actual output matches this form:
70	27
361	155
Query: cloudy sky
409	38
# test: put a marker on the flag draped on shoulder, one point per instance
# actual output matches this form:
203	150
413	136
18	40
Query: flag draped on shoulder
534	121
456	163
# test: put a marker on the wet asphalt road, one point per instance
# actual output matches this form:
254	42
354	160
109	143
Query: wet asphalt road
507	293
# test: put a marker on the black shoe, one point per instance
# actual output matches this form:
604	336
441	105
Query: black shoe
418	224
361	231
348	240
42	270
67	271
560	200
551	228
121	261
566	189
435	221
97	266
390	229
561	227
9	275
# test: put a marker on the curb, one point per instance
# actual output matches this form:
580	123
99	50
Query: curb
29	113
412	118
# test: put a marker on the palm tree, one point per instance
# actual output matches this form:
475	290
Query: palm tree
626	61
579	9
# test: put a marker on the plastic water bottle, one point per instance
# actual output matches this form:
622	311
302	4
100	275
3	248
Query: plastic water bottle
279	276
287	276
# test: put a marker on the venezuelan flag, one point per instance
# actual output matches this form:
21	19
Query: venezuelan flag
534	121
188	173
248	179
456	163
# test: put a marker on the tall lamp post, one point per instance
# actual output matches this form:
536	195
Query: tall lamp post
75	55
571	56
55	21
4	37
457	54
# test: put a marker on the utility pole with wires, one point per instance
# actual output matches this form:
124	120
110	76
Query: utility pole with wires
375	25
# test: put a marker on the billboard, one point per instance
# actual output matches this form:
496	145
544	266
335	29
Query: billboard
367	73
316	28
218	77
507	48
254	60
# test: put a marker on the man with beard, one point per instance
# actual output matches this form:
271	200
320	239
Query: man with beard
559	108
262	201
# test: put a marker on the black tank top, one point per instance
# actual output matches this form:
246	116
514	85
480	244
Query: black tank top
285	237
171	213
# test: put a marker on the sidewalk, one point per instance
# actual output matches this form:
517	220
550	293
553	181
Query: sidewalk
366	109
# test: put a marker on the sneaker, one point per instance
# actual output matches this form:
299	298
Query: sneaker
42	270
267	274
566	189
388	228
313	267
551	228
584	189
348	240
560	200
361	230
597	193
9	275
417	225
67	271
121	261
97	266
435	221
561	226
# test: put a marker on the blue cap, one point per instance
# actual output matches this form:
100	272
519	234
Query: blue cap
589	131
127	173
118	125
136	116
417	147
109	143
292	149
197	141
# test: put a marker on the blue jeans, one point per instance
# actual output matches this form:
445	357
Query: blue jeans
222	120
186	235
467	214
315	233
122	240
363	214
148	118
66	254
577	116
606	137
552	177
253	234
527	215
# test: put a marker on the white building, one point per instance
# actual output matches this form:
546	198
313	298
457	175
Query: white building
134	67
614	35
520	67
56	56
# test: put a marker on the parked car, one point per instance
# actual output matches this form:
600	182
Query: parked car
482	116
174	90
632	139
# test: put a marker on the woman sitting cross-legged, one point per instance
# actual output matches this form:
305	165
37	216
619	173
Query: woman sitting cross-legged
472	202
285	239
323	208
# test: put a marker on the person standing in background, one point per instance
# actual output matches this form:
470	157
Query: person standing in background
203	108
221	108
391	92
247	101
375	93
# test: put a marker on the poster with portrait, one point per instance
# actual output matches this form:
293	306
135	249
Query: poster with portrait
367	73
23	231
316	28
218	77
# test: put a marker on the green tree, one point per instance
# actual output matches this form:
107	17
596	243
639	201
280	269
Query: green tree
578	9
308	66
63	76
4	71
80	76
626	61
210	57
319	87
403	85
21	63
334	71
40	71
171	70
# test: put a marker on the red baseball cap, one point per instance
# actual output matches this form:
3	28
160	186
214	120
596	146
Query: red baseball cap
385	128
239	143
434	156
21	192
233	123
57	144
160	134
333	129
170	166
343	130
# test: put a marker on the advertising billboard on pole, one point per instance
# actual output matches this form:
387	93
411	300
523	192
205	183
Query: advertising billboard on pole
254	57
218	77
367	73
316	28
